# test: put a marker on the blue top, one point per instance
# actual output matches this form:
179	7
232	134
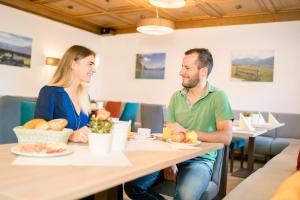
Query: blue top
54	102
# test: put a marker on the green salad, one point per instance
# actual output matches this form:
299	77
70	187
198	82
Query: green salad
100	126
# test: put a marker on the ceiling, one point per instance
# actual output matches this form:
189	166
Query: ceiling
123	15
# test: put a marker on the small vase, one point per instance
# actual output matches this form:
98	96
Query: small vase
100	143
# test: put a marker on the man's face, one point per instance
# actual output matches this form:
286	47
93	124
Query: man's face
189	71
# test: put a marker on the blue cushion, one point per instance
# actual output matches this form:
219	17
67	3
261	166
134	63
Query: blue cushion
27	111
263	145
237	143
130	113
10	117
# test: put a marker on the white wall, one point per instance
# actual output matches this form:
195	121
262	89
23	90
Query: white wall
49	38
115	76
282	95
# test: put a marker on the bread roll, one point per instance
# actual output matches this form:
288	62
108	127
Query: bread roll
43	125
102	114
32	123
57	124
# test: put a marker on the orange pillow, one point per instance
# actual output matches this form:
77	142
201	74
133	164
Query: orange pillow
289	189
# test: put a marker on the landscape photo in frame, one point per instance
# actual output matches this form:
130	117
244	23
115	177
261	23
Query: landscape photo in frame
150	66
15	50
253	65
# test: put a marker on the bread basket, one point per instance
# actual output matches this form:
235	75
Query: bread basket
45	136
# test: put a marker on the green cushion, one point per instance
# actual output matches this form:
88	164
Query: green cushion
27	111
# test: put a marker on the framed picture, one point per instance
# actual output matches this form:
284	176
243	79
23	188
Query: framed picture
257	65
150	66
15	50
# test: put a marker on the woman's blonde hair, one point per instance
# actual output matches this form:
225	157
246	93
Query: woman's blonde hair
63	75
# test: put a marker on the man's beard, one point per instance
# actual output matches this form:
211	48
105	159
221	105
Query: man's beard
192	82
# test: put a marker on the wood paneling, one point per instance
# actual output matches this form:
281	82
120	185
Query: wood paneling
123	15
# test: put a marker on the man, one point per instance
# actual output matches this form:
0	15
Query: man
199	107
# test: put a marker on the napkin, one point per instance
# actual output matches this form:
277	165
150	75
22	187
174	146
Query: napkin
245	124
261	119
272	119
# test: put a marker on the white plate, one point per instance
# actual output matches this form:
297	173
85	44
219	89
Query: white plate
186	144
16	151
141	137
158	135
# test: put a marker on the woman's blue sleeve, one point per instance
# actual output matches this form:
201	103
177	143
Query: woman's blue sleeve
45	103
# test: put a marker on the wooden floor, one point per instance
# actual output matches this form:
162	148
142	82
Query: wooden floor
233	181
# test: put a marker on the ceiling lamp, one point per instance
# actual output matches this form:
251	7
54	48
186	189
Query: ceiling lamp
155	26
168	3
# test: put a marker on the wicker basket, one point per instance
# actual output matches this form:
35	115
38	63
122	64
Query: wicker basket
34	135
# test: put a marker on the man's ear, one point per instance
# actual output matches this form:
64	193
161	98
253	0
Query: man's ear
204	72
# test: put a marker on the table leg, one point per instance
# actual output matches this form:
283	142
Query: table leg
244	173
250	163
115	193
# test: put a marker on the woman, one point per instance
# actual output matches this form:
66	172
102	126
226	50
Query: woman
66	95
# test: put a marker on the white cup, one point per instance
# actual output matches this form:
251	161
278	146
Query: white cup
100	104
100	143
145	132
120	135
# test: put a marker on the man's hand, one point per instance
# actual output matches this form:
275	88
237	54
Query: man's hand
80	135
175	127
170	173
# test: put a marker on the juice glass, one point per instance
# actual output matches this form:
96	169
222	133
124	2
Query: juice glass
166	133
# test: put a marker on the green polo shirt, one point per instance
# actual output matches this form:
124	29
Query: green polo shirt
203	115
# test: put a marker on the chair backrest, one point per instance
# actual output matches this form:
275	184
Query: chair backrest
130	112
10	117
217	186
27	111
114	107
152	117
217	175
217	171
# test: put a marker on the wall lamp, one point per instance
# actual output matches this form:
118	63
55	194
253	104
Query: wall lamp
52	61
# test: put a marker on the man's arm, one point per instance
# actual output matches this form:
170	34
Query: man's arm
222	135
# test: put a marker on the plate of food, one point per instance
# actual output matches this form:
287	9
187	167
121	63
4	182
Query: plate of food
41	150
194	144
185	139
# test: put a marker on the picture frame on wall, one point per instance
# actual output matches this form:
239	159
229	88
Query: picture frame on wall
252	65
150	66
15	50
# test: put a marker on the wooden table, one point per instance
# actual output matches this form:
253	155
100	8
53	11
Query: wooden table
73	182
244	173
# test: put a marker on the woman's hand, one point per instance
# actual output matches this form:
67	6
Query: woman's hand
80	135
170	173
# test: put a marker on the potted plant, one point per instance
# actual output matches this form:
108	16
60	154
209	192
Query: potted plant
100	138
248	116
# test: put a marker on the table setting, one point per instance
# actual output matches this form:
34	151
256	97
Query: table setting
108	142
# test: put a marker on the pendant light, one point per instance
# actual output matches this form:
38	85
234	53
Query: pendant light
155	26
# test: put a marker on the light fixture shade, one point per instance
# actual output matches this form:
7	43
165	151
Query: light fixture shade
52	61
155	26
168	3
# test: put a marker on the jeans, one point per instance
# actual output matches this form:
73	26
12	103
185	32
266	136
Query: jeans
192	180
